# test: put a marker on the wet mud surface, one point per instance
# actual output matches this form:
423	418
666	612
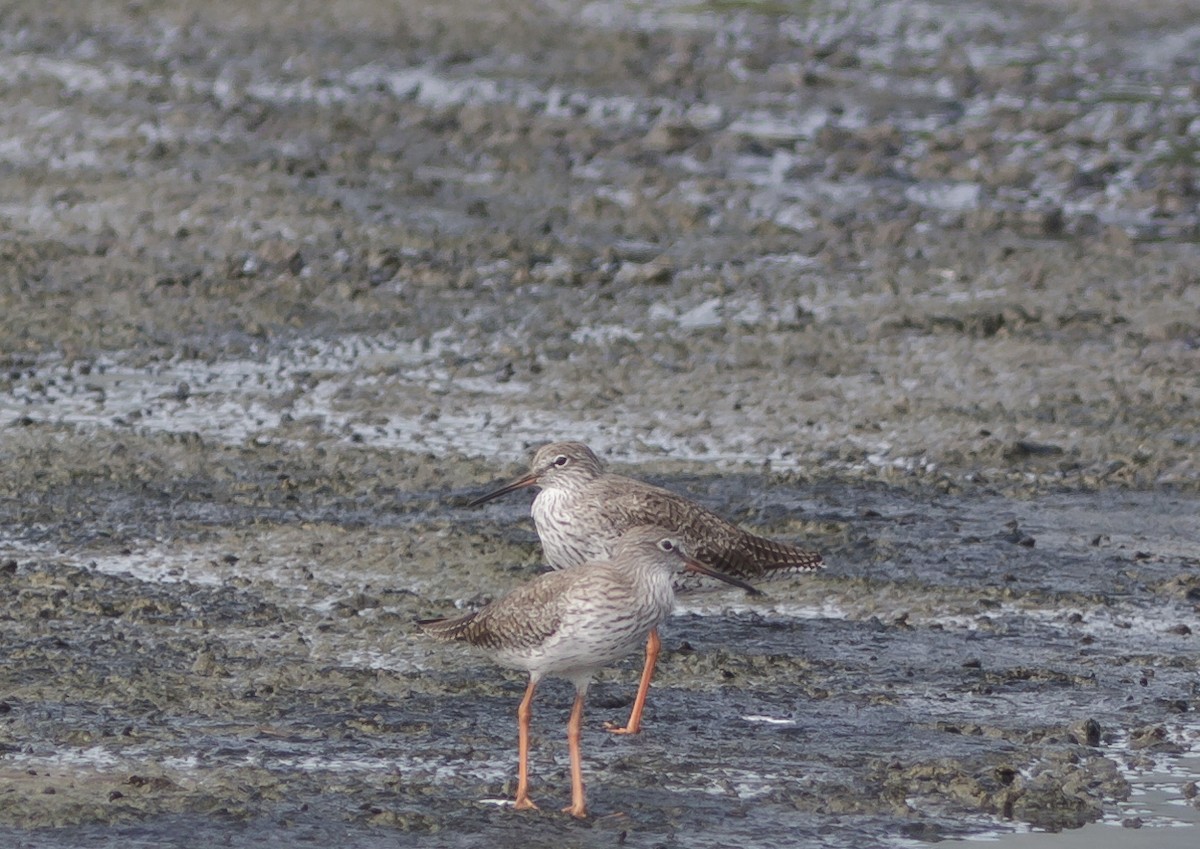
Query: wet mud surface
283	287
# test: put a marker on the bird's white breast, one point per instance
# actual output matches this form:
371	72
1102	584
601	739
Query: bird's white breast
568	530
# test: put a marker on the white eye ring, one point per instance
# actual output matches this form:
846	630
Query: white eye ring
667	545
561	460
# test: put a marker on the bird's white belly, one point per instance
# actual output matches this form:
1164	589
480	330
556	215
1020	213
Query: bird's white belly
594	634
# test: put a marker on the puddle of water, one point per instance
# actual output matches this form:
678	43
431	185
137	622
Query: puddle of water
234	401
769	720
176	564
1158	816
951	197
95	759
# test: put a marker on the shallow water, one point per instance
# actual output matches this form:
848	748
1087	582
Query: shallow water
1160	813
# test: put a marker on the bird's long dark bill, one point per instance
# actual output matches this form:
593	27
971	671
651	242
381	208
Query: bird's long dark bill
519	483
700	568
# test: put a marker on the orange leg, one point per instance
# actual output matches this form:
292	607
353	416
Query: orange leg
577	808
524	713
653	645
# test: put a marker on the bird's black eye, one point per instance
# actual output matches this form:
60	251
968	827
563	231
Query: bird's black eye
561	460
667	545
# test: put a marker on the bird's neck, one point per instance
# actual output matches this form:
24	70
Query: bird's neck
651	577
567	490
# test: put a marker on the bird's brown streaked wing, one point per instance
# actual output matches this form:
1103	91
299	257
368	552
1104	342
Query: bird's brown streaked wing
525	617
713	540
774	557
449	628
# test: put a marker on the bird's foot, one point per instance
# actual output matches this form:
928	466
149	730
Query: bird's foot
524	803
613	728
579	811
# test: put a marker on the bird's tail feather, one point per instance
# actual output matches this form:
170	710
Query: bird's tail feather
448	629
777	558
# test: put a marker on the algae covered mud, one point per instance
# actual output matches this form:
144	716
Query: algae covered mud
285	285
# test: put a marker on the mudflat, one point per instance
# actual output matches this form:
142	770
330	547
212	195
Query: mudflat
283	286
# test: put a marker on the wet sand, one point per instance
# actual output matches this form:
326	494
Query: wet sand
284	287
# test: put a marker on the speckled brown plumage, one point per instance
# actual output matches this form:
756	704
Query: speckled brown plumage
523	619
624	502
574	622
582	510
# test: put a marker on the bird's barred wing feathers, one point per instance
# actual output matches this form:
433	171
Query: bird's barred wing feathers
712	540
524	618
